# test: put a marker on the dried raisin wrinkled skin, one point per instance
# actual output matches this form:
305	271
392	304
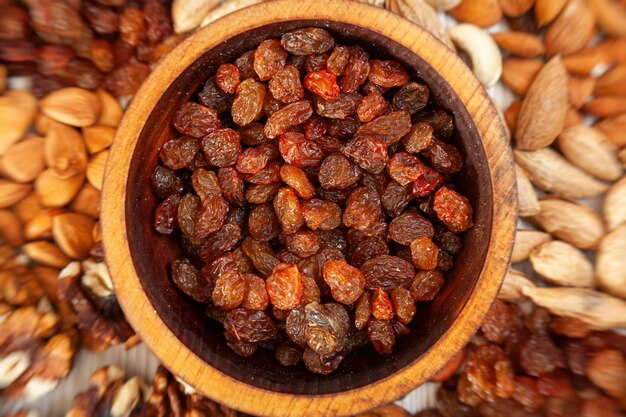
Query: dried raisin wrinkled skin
312	190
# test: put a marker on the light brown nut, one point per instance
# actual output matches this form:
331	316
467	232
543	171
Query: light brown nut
518	73
513	285
562	264
590	59
598	310
525	242
443	4
482	50
571	30
614	129
421	13
54	191
573	118
571	222
40	226
483	13
72	232
547	10
612	82
95	169
188	14
610	15
511	113
12	192
606	369
580	89
65	151
522	44
551	172
87	201
11	228
98	137
611	262
614	205
24	160
111	112
606	106
18	109
544	108
589	150
73	106
516	8
526	196
46	253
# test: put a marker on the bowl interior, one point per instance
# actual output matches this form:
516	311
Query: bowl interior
153	253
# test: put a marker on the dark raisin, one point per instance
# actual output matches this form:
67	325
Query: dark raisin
387	272
409	226
307	41
269	57
411	97
249	325
188	280
363	208
381	335
285	85
195	120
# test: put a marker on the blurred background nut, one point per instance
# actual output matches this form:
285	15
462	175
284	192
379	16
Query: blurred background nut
482	51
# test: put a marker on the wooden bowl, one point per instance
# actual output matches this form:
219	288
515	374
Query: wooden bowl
175	328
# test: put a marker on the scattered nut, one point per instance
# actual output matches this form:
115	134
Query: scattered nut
482	50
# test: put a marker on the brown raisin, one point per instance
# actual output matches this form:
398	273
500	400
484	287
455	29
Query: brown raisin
303	243
261	254
229	290
295	178
363	208
261	193
284	286
321	364
327	327
323	83
424	253
252	160
291	115
285	85
427	285
222	147
269	57
249	100
371	106
219	242
295	326
387	272
389	128
362	311
165	182
381	306
307	41
315	62
188	280
356	71
227	78
453	210
214	98
411	97
395	198
252	135
195	120
418	138
178	153
298	151
256	297
440	120
205	183
380	333
404	168
443	157
345	281
249	325
288	209
232	186
343	106
320	214
369	153
245	64
188	209
426	183
387	74
403	305
409	226
263	224
337	172
288	354
338	60
211	216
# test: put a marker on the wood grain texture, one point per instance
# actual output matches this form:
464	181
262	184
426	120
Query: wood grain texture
176	329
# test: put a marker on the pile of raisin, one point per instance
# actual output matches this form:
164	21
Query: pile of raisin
312	191
526	363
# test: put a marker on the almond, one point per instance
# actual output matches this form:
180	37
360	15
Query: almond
23	160
511	114
43	123
54	191
111	112
571	30
28	207
46	253
589	60
570	222
65	151
483	13
95	170
606	106
611	262
521	44
548	170
87	201
513	285
419	12
573	118
525	242
188	14
516	8
544	108
48	278
442	4
610	15
562	264
599	311
528	203
588	149
40	226
73	106
612	82
614	205
518	74
12	192
96	232
622	157
98	137
18	109
614	129
72	232
547	10
606	369
580	89
11	228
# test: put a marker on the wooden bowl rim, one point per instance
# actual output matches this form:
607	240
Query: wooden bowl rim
156	334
